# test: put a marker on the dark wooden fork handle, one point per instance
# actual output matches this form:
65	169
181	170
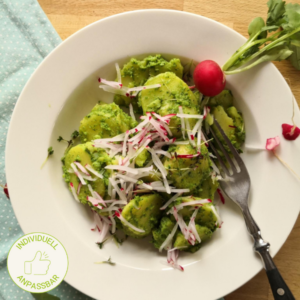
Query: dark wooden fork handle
279	288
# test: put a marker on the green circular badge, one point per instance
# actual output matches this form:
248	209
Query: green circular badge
37	262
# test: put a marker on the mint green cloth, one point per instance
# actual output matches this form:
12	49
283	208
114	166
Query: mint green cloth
26	38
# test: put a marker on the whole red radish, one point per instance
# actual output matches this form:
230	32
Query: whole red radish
209	78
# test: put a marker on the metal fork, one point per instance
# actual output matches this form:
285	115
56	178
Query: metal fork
237	189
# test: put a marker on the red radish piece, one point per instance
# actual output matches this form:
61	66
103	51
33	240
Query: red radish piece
272	143
290	132
209	78
221	196
5	189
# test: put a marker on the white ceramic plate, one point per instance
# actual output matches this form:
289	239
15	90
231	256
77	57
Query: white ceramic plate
43	203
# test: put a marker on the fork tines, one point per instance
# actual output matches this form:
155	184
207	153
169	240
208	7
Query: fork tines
233	167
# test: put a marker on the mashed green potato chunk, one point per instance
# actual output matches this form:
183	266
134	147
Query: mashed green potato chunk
167	99
143	212
95	157
137	72
188	173
104	121
206	222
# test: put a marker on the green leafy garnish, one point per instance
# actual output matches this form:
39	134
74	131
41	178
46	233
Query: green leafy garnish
74	136
100	245
50	152
106	262
266	45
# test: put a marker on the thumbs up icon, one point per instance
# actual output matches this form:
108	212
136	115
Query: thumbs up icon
37	266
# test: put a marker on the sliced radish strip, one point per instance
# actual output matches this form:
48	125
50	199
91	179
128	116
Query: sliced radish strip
170	201
166	127
196	127
199	138
113	84
192	226
90	168
88	178
94	201
131	112
188	155
191	203
145	185
80	177
189	133
160	131
119	78
97	196
182	122
272	143
124	221
167	117
79	188
107	145
165	153
187	116
117	138
163	189
126	178
103	232
183	227
168	189
158	163
219	221
125	143
82	168
113	221
163	119
119	192
146	87
98	222
169	238
122	168
113	90
74	192
110	208
106	220
206	111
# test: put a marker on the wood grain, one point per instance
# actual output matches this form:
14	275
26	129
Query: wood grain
68	16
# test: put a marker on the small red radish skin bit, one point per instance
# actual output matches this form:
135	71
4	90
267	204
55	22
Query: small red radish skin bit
290	132
272	143
221	196
209	78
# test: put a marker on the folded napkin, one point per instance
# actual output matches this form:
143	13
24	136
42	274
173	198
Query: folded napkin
26	38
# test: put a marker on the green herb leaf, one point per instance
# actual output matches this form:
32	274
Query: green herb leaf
276	12
100	245
50	151
292	13
106	262
256	26
60	139
295	57
75	134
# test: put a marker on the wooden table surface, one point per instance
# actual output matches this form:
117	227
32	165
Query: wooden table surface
68	16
